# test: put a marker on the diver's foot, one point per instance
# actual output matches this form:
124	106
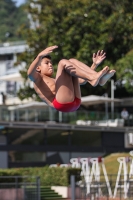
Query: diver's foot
106	77
95	78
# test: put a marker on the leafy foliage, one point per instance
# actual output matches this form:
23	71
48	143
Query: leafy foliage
49	176
11	19
80	28
125	67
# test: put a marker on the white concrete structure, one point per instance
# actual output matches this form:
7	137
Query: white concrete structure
10	78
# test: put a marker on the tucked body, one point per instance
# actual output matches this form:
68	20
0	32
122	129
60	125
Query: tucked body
63	92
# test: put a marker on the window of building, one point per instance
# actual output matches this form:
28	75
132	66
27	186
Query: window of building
11	87
86	138
26	136
16	156
57	137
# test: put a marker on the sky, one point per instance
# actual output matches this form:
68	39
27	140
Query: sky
19	2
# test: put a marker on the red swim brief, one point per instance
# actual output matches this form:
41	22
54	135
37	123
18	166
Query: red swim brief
67	107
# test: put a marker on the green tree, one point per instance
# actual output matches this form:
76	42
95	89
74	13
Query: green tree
80	28
11	18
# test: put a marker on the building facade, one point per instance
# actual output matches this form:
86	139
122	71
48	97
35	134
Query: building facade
24	144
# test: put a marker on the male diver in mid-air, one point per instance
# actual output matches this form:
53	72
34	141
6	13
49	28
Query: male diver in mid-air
63	92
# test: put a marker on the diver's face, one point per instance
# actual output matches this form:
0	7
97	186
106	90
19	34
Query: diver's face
46	67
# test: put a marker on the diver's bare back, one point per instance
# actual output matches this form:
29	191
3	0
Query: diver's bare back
45	88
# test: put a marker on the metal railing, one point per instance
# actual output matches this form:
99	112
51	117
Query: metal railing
13	43
47	114
100	189
19	188
96	187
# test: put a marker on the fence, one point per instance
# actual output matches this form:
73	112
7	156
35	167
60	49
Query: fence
96	187
22	113
101	188
19	188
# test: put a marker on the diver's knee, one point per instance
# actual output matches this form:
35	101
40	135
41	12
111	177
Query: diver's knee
62	63
72	60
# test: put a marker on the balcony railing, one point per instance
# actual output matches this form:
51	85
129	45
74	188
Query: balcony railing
46	114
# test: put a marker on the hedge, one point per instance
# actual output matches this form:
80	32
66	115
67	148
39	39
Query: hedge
49	176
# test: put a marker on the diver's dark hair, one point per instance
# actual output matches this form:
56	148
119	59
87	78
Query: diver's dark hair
45	56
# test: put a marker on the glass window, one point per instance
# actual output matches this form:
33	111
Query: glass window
4	114
9	64
57	137
27	156
11	87
87	138
26	136
43	115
